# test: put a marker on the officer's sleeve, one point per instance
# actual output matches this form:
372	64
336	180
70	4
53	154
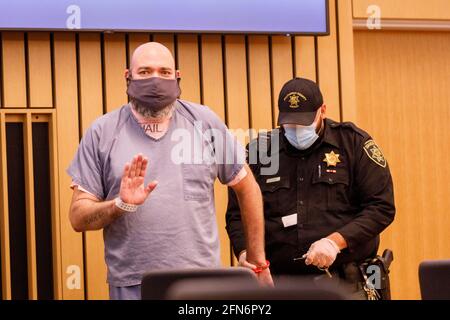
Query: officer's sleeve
86	169
374	189
234	225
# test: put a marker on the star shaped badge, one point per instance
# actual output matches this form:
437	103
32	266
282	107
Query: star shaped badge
332	159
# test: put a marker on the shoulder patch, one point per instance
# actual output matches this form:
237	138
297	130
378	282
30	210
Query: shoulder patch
374	153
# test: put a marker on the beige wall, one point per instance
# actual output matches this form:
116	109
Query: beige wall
402	81
402	87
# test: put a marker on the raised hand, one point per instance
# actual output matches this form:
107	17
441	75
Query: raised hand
132	189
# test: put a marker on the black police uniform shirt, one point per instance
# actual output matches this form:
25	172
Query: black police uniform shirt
342	183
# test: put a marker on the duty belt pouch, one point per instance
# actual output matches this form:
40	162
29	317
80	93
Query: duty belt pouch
375	276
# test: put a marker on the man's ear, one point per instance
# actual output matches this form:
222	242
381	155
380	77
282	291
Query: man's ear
127	73
177	74
323	110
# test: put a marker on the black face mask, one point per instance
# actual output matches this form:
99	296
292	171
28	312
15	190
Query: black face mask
154	93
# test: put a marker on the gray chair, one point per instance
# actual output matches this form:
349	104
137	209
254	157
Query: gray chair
434	278
216	289
155	284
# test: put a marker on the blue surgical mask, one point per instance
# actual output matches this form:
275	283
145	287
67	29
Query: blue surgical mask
301	137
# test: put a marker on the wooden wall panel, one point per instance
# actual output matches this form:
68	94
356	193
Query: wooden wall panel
305	57
405	106
90	79
400	9
213	97
66	99
55	207
259	83
4	215
346	61
212	74
236	88
328	70
30	212
282	69
115	63
91	107
40	70
13	68
236	82
188	64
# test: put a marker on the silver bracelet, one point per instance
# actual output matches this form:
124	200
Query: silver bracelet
125	206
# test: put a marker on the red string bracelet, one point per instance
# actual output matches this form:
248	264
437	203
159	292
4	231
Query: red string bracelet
260	269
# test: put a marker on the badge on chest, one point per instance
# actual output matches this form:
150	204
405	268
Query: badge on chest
332	160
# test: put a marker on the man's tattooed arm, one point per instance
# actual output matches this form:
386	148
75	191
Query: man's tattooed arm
89	213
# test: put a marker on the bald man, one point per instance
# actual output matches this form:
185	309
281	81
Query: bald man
145	174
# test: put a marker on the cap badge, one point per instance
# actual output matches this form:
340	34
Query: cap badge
332	159
294	99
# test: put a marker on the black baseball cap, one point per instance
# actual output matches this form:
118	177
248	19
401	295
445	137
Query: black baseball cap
298	102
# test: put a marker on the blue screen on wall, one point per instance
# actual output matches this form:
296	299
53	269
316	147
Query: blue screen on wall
208	16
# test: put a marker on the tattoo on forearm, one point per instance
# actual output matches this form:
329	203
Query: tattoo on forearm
95	217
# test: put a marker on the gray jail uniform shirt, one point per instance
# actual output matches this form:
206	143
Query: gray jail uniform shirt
176	226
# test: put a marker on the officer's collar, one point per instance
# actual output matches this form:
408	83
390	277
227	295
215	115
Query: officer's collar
282	139
328	136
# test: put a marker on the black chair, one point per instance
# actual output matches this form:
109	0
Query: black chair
155	284
434	278
217	289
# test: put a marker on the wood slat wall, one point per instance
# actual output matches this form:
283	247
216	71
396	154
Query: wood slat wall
39	70
30	217
4	218
67	123
81	76
14	89
91	107
28	117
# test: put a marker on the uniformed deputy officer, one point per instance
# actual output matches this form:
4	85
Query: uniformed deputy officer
331	197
